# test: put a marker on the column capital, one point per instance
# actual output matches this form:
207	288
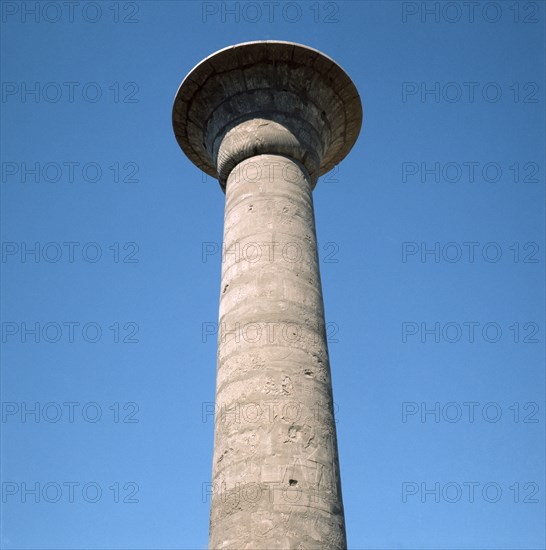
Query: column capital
266	97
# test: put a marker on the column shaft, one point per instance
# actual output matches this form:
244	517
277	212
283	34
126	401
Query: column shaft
276	481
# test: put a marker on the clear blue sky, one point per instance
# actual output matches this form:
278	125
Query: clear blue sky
451	152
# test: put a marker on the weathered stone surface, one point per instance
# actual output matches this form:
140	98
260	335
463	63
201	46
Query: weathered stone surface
267	118
275	446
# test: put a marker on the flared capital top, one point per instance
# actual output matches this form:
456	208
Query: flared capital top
291	85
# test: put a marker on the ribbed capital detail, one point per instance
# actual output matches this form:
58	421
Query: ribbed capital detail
260	136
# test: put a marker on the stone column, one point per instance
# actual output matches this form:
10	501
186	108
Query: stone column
267	118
